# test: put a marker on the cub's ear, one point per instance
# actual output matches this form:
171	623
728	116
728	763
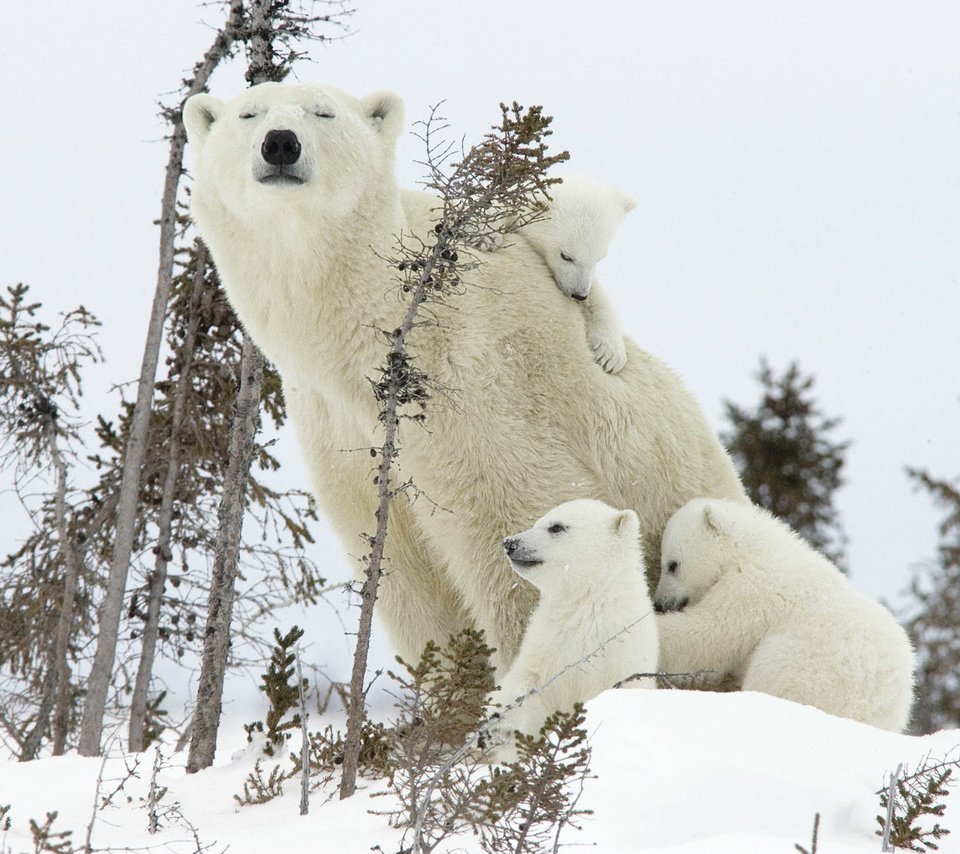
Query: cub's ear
713	517
626	522
385	111
628	203
199	113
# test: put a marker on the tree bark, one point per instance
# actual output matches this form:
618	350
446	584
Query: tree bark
158	578
216	641
110	610
56	690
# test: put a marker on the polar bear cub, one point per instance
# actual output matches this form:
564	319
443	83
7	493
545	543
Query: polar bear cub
757	602
572	238
594	612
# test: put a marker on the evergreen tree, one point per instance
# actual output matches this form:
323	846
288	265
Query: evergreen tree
43	587
935	624
787	459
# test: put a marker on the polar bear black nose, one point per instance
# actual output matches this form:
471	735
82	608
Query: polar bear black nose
510	545
280	148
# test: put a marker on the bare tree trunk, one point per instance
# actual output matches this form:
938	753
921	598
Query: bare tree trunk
56	690
216	640
112	606
71	578
395	381
304	743
30	743
158	578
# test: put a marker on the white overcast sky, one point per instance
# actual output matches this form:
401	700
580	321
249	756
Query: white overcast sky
796	168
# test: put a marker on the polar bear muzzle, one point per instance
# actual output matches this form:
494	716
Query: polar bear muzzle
520	555
280	151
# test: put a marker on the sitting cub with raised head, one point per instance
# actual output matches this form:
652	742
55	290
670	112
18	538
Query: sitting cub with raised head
594	625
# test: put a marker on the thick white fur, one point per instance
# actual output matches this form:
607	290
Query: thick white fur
531	420
573	238
592	588
762	605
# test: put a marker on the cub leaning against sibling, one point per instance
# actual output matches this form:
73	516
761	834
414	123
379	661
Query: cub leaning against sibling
739	593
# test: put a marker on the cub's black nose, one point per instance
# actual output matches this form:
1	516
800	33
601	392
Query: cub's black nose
280	148
510	545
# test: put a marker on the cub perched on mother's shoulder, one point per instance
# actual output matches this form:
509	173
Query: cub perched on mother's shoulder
295	196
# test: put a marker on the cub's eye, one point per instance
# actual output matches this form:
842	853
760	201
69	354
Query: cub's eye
556	528
324	114
566	257
248	114
672	566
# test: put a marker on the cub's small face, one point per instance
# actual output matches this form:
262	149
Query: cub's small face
290	145
690	561
575	235
568	544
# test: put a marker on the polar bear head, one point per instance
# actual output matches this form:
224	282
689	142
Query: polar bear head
578	544
277	150
577	229
700	541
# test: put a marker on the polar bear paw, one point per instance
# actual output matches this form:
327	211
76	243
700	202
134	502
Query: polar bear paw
608	351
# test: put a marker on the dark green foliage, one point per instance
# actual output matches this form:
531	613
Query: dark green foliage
5	817
155	720
281	693
45	839
40	371
787	459
933	617
444	790
257	789
918	795
447	689
377	744
526	803
442	699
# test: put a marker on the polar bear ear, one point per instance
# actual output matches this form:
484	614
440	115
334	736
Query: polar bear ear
625	522
385	111
713	518
628	204
199	113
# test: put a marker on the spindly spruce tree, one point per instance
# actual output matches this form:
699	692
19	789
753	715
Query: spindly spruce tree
787	458
934	625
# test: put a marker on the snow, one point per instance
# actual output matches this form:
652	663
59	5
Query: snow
677	772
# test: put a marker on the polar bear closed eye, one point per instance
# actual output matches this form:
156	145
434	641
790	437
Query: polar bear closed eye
594	625
741	593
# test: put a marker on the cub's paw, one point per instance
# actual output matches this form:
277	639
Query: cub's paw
609	352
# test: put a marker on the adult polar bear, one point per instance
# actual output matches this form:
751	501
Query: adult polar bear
295	196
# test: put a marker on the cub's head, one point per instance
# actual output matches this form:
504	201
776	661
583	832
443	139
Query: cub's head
580	543
278	147
575	236
697	544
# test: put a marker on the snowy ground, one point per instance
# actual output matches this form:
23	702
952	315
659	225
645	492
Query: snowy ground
677	772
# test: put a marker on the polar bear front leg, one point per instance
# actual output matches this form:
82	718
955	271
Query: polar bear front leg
691	642
603	332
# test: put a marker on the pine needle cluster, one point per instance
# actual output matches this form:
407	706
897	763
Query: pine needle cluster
282	694
916	797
